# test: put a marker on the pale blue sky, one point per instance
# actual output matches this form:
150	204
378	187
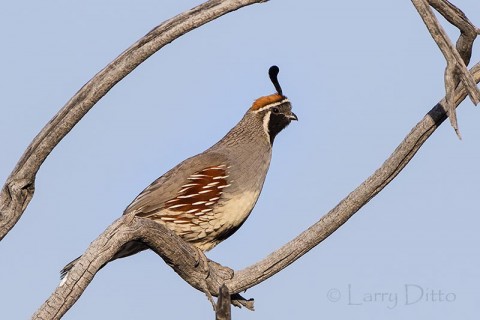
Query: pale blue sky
359	74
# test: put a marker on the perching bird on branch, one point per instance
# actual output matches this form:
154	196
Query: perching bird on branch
206	198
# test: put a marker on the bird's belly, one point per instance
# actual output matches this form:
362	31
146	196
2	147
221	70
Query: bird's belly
236	210
226	219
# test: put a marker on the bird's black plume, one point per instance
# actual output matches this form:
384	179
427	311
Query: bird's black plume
273	73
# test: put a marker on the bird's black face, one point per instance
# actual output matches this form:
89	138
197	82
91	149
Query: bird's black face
278	117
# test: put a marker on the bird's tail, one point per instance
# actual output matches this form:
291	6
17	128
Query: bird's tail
128	249
67	268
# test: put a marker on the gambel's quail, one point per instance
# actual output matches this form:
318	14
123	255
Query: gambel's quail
206	198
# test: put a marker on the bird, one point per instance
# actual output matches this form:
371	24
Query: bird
206	198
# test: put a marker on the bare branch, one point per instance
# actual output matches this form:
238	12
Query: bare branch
456	69
208	276
468	31
451	81
178	254
223	310
19	187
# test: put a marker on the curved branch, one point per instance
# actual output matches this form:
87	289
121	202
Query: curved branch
208	276
187	261
468	32
181	256
19	187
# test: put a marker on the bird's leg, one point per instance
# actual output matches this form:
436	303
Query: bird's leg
202	263
223	272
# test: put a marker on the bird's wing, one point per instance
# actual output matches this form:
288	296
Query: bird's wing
190	187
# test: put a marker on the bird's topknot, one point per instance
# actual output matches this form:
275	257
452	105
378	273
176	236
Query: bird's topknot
273	73
273	98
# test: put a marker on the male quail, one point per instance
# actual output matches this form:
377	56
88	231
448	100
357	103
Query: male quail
206	198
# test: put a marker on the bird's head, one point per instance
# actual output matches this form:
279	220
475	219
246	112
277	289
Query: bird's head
275	110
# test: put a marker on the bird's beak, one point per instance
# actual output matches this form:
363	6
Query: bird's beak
293	116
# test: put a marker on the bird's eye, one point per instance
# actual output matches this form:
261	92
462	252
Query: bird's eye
275	110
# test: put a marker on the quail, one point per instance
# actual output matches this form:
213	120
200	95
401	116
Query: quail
207	197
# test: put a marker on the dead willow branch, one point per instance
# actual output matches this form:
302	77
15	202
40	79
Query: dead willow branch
181	256
457	57
468	31
19	187
185	260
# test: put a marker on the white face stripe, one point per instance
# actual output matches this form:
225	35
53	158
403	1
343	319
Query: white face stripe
272	105
266	120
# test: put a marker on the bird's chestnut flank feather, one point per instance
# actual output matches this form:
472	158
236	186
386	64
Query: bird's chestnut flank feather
207	197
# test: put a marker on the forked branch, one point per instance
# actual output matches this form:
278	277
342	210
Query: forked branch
457	57
468	31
